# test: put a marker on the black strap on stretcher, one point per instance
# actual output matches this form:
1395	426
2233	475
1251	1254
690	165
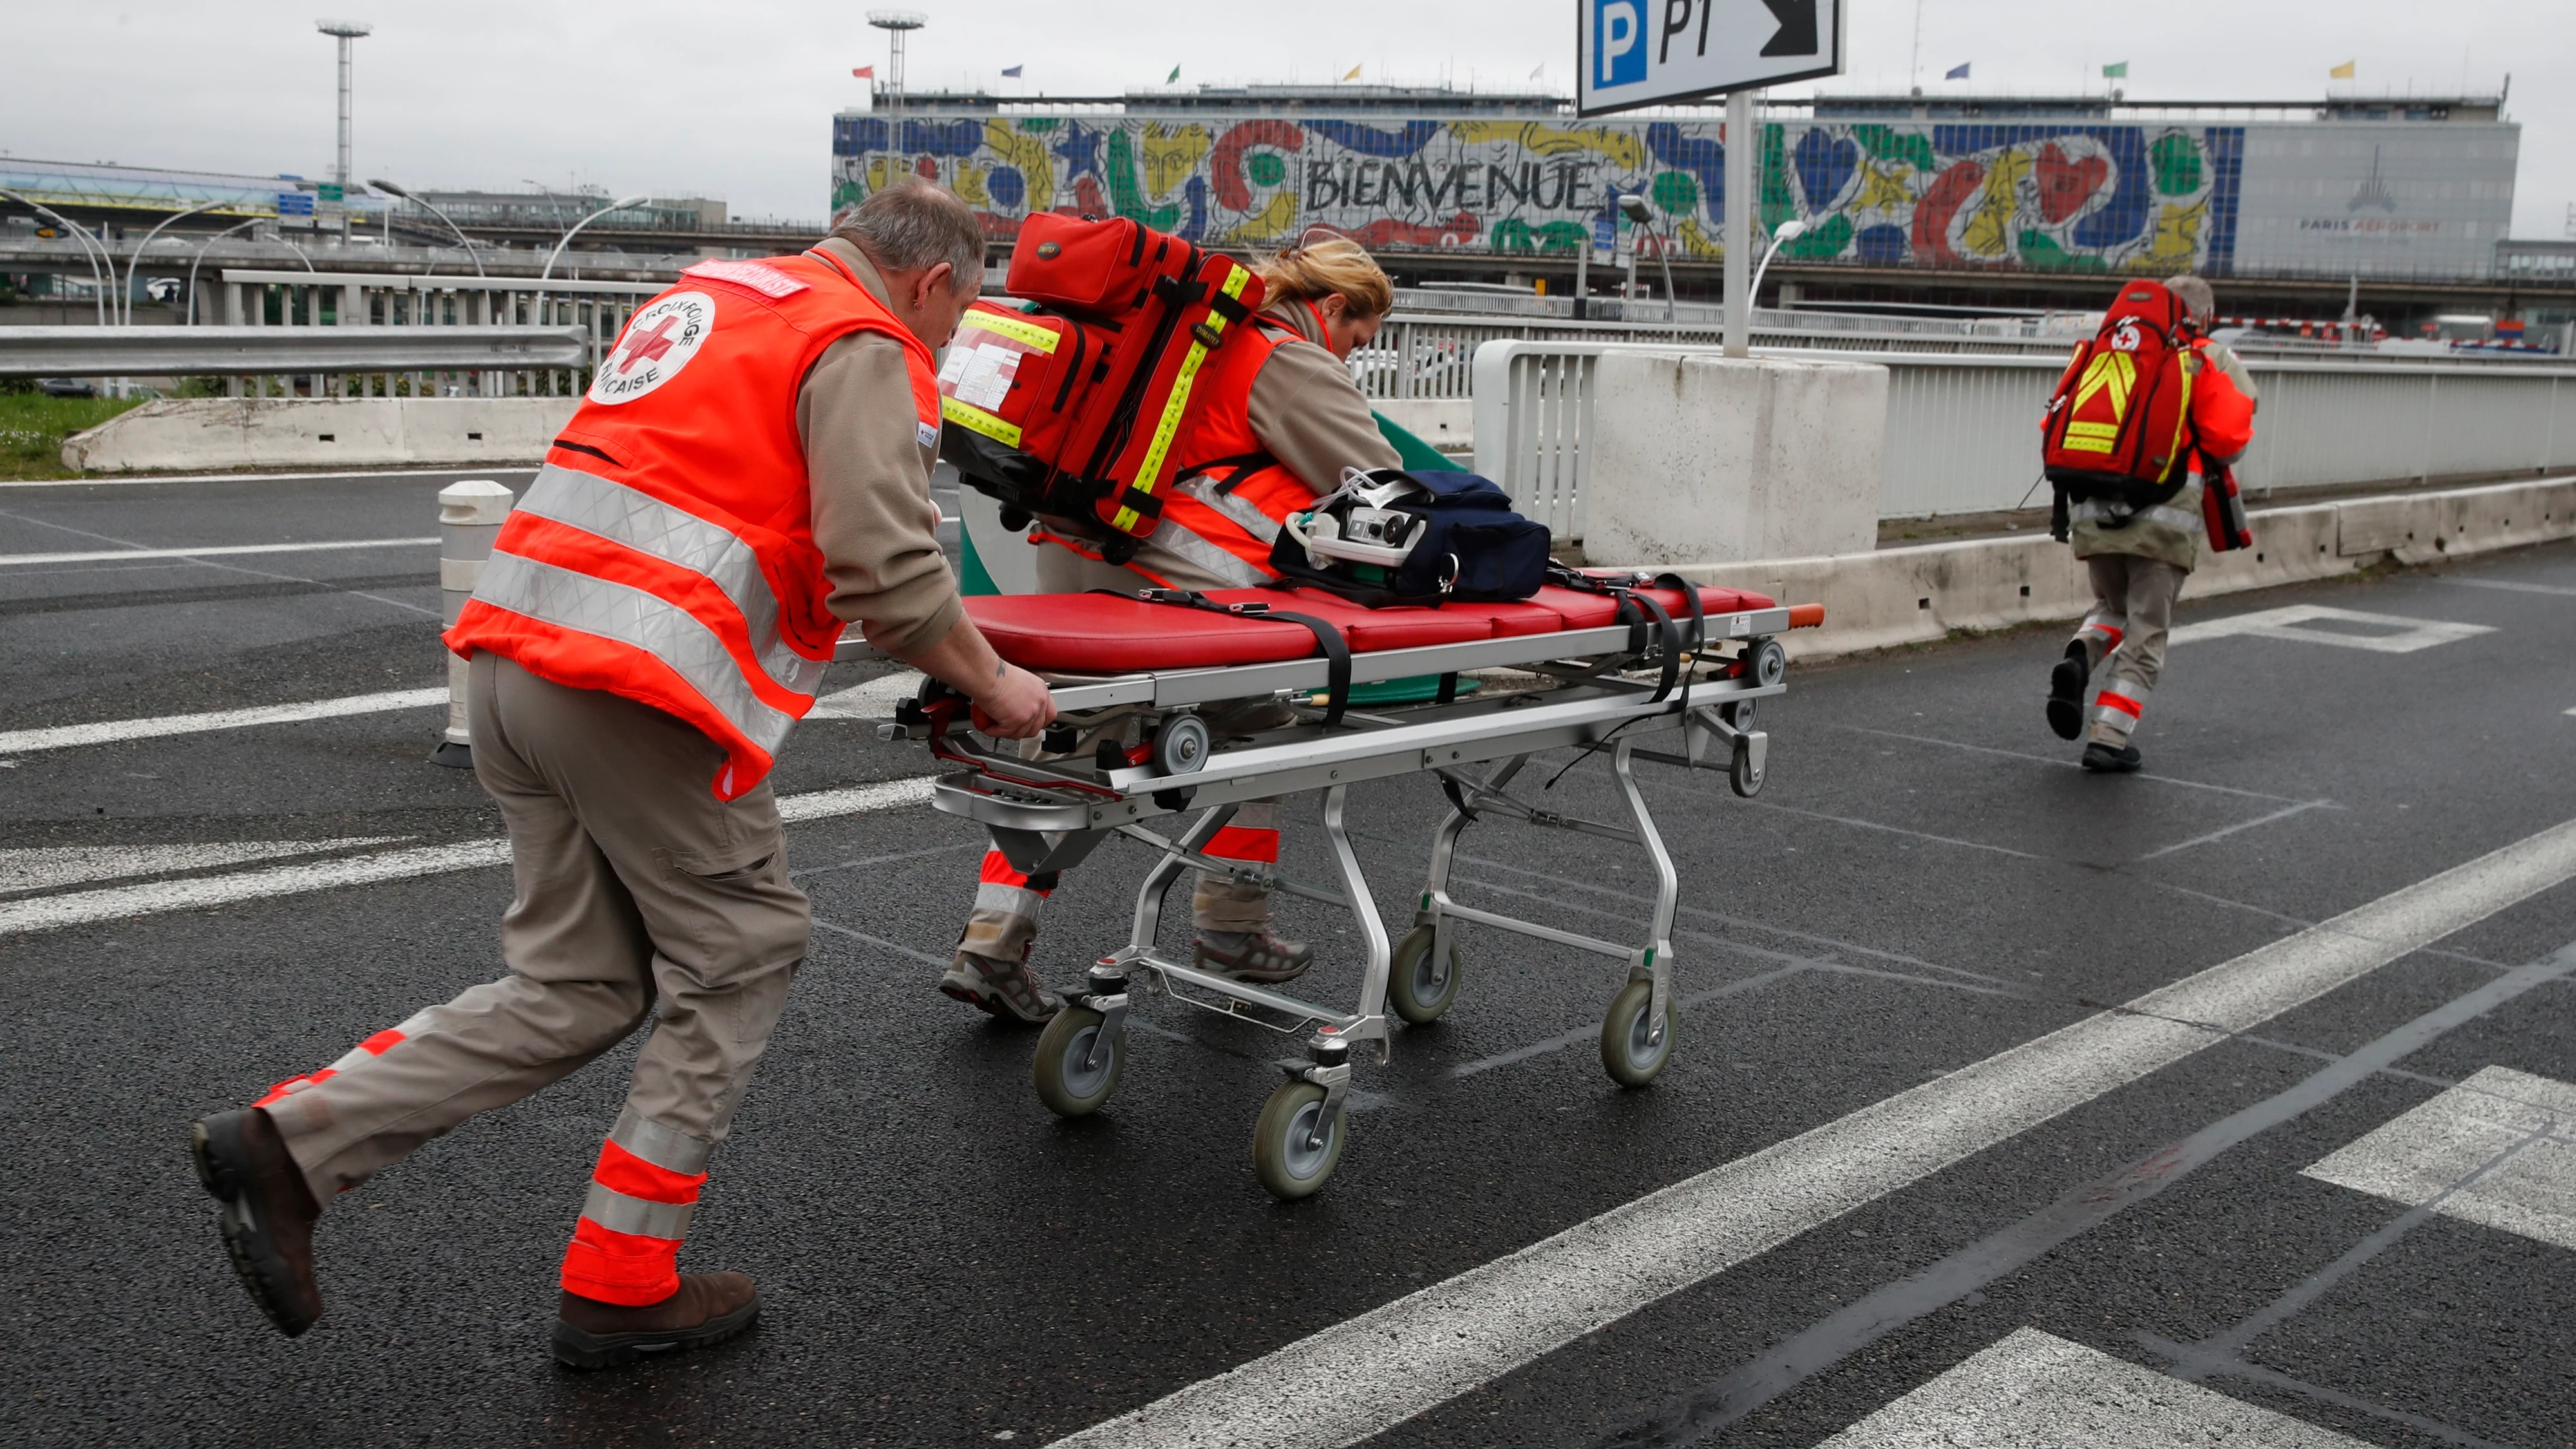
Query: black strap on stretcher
1636	608
1328	640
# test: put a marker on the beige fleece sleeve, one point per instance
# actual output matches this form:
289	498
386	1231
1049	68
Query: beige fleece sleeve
873	517
1305	410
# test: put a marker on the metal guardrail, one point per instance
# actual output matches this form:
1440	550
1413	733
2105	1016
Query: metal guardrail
1963	431
251	351
594	311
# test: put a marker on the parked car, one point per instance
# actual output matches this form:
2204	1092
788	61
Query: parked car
66	387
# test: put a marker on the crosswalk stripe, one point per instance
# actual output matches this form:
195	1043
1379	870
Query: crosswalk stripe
81	908
1370	1373
121	555
61	737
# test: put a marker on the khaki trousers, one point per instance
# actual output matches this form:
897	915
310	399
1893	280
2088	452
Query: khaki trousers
2124	638
1004	924
638	893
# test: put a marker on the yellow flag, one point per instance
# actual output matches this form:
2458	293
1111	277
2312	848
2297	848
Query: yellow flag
2343	71
1354	75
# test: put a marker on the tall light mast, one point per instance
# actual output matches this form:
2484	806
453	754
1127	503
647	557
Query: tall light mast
344	31
896	24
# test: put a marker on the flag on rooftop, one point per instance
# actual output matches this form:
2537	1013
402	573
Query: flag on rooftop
1354	75
1539	71
1013	72
2344	71
1175	75
2118	70
865	72
1958	72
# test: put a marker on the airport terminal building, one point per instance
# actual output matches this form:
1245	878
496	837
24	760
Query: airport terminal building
2418	189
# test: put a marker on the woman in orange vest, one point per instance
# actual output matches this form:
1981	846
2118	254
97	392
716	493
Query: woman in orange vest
1281	419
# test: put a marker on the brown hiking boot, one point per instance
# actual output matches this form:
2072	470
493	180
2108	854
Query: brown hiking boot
1256	958
1007	989
268	1213
708	1309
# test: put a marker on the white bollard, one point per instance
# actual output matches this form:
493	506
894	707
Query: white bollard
470	515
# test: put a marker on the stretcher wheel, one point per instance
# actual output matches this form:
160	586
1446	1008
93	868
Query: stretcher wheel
1415	986
1626	1054
1181	745
1067	1082
1765	662
1739	712
1742	775
1282	1152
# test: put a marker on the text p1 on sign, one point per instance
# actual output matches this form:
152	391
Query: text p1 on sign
1653	52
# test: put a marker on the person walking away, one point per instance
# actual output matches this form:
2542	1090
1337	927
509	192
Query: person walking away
750	469
2139	558
1281	420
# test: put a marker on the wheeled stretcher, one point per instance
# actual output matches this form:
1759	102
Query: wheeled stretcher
1631	671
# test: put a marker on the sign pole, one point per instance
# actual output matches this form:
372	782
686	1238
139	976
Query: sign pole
1740	146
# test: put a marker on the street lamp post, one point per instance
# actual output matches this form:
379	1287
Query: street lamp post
135	262
1788	231
103	283
896	24
345	31
551	257
461	239
1634	207
200	257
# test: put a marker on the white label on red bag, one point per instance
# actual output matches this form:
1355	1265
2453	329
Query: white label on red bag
658	341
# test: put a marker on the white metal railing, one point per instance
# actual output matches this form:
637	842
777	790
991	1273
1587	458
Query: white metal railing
258	298
1963	431
250	351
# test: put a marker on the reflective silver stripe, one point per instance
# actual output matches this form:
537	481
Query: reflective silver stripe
666	1148
1238	511
648	525
648	622
2107	623
1010	900
1197	552
642	1217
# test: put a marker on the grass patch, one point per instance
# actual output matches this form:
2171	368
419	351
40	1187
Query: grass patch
33	426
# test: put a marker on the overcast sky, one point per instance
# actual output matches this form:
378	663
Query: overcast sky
733	100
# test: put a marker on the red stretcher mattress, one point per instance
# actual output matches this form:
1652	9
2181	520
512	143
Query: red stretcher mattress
1104	634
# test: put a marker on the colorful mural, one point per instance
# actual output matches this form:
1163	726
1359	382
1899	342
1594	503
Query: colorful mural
2073	196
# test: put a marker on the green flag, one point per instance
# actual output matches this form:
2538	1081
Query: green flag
2116	72
1175	75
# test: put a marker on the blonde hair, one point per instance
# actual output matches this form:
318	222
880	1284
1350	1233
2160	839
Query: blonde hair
1333	265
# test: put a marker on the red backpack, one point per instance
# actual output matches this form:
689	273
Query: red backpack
1075	402
2118	426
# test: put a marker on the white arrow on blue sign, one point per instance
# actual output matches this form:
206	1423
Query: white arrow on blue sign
1654	52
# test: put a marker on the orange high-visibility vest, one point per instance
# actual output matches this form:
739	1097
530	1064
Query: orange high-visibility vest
1228	496
666	552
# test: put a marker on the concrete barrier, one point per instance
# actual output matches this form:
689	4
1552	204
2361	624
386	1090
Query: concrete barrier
1893	596
1726	457
218	433
470	515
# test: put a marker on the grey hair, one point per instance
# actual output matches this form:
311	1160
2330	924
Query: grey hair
912	226
2195	296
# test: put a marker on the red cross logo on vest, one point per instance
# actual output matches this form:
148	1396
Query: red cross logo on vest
649	346
660	339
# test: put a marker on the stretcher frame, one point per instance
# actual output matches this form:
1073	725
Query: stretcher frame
1047	815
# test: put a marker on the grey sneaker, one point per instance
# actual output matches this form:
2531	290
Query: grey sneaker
1257	958
1007	989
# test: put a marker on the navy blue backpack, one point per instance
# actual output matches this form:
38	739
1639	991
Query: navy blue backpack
1395	537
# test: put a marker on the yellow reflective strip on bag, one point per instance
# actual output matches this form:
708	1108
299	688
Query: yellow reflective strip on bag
2092	430
1168	428
1042	338
979	420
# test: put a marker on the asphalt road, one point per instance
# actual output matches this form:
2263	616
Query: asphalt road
2314	1226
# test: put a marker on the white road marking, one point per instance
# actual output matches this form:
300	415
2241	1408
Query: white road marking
45	867
2037	1391
2511	586
130	482
120	555
2416	1157
80	908
2399	636
62	737
1370	1373
874	699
